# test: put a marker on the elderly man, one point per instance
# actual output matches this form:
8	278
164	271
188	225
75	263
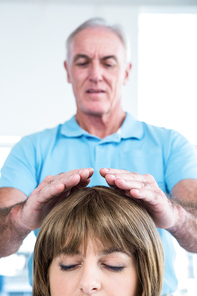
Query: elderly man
100	144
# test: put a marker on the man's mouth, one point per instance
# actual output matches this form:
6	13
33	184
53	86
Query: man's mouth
95	91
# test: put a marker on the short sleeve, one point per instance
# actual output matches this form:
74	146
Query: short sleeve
181	162
19	169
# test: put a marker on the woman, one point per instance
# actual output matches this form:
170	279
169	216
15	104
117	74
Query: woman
98	241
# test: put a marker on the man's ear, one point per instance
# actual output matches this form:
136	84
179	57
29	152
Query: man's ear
127	72
67	71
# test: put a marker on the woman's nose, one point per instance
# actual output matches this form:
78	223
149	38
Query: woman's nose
90	281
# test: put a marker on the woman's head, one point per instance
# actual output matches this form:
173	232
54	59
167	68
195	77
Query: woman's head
103	232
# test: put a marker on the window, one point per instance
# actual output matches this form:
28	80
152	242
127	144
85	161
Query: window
168	71
168	94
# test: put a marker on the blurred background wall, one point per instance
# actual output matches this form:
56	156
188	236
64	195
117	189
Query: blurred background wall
34	93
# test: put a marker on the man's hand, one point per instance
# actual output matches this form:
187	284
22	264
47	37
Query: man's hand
18	220
50	192
144	189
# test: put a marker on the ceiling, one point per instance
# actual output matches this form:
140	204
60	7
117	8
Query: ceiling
129	2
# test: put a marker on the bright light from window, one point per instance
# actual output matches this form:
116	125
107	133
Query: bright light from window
6	142
168	94
4	151
168	71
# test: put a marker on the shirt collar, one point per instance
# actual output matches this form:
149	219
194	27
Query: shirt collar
131	128
72	129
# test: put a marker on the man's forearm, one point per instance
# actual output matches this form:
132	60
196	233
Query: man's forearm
12	234
185	230
17	221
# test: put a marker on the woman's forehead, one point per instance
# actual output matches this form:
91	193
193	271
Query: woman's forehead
95	247
93	244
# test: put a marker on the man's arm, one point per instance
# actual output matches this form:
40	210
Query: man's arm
17	221
178	216
10	240
11	236
11	196
185	194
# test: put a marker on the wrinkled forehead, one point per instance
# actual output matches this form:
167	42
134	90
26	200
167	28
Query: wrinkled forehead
97	41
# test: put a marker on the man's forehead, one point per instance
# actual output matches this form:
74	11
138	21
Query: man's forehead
91	40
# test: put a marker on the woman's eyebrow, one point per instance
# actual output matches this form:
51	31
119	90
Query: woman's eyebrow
112	250
65	252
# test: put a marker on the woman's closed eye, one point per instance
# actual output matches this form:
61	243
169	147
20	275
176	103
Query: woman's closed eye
113	268
68	267
74	266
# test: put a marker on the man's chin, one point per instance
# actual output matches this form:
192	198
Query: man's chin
97	112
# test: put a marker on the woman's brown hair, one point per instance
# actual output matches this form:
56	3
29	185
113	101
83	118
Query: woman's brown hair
104	214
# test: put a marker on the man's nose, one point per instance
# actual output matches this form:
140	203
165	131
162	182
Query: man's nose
90	281
95	73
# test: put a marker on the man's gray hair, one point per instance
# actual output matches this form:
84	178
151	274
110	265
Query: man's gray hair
100	22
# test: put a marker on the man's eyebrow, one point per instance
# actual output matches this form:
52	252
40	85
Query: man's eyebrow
83	56
109	57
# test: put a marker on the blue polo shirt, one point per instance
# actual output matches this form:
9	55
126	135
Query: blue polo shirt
136	147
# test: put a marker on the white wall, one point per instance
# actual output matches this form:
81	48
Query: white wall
34	93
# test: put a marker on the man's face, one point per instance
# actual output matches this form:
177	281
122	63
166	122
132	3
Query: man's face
97	69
